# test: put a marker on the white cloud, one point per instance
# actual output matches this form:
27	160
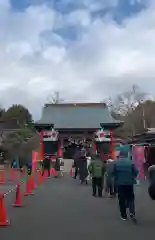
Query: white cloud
105	60
79	17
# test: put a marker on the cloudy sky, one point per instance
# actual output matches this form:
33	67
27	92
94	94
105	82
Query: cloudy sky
85	49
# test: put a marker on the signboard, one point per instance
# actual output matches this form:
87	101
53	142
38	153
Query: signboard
50	135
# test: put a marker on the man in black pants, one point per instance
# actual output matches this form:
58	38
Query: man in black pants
97	169
97	183
126	200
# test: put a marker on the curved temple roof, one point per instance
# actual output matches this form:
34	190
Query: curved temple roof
77	116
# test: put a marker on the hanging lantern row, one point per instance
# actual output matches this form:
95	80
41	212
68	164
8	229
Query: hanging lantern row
99	135
76	141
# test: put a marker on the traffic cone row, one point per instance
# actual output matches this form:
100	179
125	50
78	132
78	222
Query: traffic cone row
29	187
14	175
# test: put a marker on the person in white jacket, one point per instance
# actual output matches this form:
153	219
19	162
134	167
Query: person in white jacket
88	163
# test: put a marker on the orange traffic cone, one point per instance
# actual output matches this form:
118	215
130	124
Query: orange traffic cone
11	178
1	176
32	182
71	172
28	190
18	200
3	219
39	177
17	174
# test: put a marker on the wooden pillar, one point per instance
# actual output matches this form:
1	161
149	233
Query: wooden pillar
112	153
60	145
41	144
94	147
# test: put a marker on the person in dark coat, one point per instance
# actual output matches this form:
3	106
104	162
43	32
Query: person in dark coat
57	167
82	165
75	164
46	166
14	163
125	173
151	178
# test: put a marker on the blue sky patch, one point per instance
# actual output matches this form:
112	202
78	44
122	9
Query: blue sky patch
123	10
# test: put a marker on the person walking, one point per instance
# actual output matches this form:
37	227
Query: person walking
125	174
82	166
57	167
46	166
14	164
88	163
109	179
97	169
75	164
151	178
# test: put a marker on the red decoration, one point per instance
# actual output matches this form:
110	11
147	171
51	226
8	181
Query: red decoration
102	134
94	148
53	134
42	144
111	146
59	150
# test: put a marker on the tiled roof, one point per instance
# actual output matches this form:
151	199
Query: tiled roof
84	115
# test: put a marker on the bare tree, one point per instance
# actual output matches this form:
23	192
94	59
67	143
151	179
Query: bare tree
126	102
134	108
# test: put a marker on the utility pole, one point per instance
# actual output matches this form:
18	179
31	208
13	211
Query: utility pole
57	97
144	122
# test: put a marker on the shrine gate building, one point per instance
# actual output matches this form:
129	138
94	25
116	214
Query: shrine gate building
63	126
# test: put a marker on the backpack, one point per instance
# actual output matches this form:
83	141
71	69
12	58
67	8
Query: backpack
97	169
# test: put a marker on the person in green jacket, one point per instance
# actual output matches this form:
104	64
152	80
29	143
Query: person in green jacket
97	169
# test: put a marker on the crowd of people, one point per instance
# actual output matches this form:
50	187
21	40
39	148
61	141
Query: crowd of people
45	166
112	178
